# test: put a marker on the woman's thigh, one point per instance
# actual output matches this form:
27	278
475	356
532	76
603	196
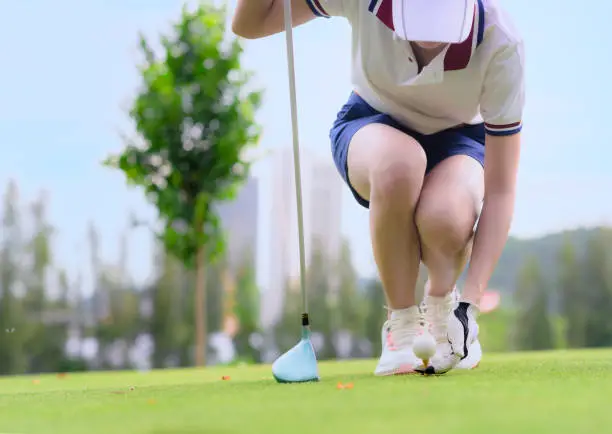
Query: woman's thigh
379	153
450	202
367	143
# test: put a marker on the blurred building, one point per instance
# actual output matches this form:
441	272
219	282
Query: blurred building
325	191
239	220
322	203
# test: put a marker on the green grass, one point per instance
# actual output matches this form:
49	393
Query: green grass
556	392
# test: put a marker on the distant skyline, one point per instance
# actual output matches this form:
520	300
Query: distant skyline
278	242
70	73
240	218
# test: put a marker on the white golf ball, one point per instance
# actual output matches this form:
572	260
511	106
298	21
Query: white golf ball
424	346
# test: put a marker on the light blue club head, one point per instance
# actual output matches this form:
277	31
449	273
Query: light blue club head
299	364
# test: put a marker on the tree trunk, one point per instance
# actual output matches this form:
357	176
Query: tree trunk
200	309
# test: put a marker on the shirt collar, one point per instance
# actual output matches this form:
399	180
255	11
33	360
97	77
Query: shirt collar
458	55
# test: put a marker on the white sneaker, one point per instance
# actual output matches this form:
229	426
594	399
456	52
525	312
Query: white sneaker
463	331
437	311
461	334
473	358
398	334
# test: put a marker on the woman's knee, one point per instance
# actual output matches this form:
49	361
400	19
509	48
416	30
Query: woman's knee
446	222
397	180
449	205
386	165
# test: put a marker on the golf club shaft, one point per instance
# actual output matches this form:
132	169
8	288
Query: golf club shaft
296	155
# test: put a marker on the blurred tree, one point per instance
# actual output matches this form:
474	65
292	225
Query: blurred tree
573	303
67	306
287	329
173	309
81	319
318	285
215	292
38	247
195	119
13	331
496	330
186	289
377	313
122	325
100	302
93	240
168	328
64	289
351	308
533	329
596	290
116	305
49	321
246	309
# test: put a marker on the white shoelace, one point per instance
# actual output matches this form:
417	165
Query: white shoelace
436	315
405	328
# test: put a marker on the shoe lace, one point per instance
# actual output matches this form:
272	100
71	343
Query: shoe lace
436	316
404	329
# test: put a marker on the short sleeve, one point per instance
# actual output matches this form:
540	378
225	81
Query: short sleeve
328	8
503	93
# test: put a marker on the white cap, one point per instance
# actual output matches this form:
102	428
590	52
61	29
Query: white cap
448	21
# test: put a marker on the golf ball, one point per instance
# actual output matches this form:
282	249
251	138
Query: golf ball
424	346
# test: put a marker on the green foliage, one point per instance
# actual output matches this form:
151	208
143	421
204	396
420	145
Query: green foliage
46	337
322	307
172	295
123	320
495	330
215	296
596	288
168	326
534	329
586	291
246	309
546	249
572	303
13	331
376	314
322	310
195	119
350	309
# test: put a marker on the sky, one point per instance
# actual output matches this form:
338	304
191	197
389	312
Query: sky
69	70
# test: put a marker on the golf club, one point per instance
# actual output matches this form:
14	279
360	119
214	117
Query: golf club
299	364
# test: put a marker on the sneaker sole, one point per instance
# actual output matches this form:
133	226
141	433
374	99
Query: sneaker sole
468	369
475	355
404	370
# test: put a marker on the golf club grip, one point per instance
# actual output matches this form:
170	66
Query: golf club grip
296	150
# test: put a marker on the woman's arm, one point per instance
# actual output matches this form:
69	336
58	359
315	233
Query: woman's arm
255	19
501	167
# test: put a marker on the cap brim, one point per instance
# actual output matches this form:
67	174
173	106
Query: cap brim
448	21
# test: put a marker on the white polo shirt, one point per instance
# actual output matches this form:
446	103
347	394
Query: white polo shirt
481	79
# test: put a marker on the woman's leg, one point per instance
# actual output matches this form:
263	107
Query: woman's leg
446	214
387	167
445	217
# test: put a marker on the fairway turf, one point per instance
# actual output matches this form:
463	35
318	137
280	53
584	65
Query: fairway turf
555	392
